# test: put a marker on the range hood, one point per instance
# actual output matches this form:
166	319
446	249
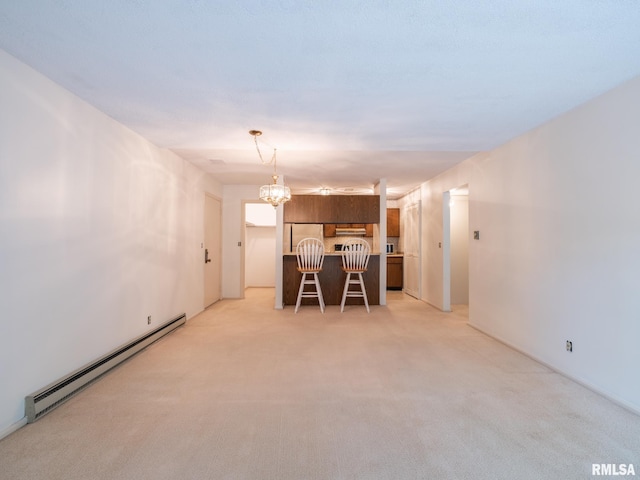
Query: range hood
351	231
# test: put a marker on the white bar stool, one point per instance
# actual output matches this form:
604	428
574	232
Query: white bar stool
310	255
355	258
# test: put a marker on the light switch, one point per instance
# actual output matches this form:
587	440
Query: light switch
476	234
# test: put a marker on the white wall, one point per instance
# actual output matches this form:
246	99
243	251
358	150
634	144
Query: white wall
99	229
260	214
260	256
558	256
260	245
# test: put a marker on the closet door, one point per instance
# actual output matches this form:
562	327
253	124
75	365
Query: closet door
411	238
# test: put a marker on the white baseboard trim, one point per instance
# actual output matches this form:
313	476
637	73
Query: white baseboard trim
13	427
609	396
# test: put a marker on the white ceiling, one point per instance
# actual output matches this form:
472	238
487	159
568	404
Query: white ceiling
347	91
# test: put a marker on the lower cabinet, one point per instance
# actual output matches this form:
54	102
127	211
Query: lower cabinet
332	280
394	273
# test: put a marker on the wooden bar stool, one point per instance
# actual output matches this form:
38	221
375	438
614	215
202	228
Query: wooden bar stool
310	255
355	258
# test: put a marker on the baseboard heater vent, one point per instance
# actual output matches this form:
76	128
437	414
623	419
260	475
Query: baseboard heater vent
43	401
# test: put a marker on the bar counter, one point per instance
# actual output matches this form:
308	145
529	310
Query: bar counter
332	280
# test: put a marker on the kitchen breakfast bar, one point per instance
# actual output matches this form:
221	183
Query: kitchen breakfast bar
332	280
334	221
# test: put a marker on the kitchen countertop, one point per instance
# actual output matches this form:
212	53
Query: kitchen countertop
328	254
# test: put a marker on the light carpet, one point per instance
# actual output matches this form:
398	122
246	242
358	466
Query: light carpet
244	391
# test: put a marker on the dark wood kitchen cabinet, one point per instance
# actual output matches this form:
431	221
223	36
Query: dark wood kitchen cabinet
332	209
307	209
329	230
393	222
394	273
357	208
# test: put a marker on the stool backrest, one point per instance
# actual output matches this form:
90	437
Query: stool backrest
310	254
355	254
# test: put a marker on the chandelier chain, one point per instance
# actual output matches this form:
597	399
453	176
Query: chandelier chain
273	157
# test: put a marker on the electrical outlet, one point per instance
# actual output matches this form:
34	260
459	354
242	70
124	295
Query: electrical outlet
569	346
149	320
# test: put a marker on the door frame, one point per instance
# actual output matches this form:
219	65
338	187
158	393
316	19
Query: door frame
446	247
278	304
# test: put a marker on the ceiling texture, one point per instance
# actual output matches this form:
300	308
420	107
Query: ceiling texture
347	91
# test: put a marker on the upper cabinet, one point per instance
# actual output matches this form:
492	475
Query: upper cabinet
305	209
393	222
332	209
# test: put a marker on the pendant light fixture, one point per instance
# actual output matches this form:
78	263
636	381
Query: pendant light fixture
275	193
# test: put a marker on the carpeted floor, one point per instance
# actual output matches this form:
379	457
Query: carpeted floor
247	392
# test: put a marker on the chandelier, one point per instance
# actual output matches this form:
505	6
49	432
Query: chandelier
275	193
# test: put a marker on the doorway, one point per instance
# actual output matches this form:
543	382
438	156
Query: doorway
260	245
458	261
212	249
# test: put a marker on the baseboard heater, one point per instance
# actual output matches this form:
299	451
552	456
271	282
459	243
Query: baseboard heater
43	401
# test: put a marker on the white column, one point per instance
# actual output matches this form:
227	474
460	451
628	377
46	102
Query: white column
279	249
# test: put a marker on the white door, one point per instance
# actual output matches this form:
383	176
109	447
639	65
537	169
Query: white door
411	236
212	255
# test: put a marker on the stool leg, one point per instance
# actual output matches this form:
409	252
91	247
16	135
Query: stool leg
304	277
364	292
319	292
344	292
